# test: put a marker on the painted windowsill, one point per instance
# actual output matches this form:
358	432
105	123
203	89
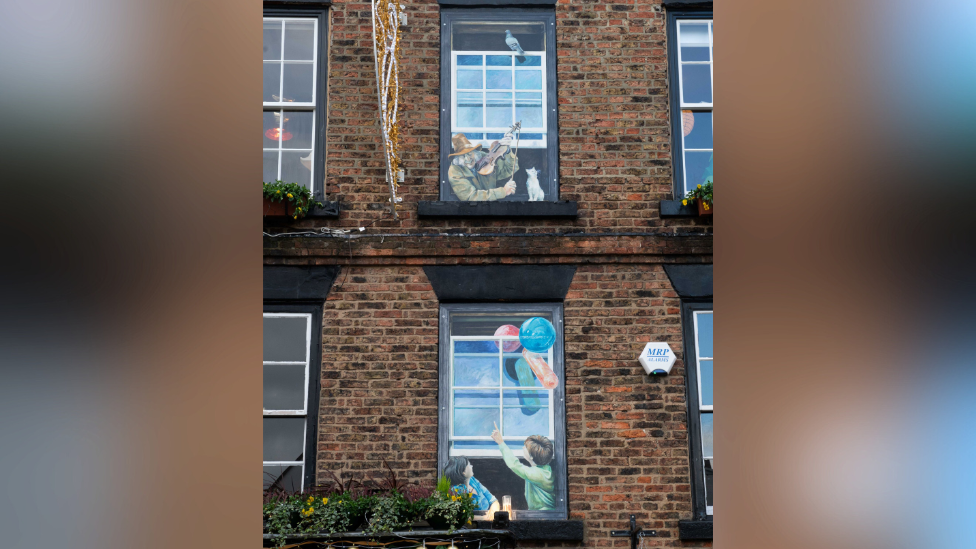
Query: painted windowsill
436	209
694	529
674	208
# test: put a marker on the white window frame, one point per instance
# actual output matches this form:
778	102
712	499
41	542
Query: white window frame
703	408
694	107
527	143
282	107
501	399
303	413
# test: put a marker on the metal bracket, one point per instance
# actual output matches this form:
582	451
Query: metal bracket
634	533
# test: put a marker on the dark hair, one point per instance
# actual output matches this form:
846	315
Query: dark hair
455	470
540	449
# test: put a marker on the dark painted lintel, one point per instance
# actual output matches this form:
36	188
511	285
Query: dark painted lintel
434	209
297	3
690	280
694	529
687	4
482	3
298	283
674	208
500	282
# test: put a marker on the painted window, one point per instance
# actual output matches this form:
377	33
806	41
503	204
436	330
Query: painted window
287	343
294	84
691	84
503	411
499	106
703	355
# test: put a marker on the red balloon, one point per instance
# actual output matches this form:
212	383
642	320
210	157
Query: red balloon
508	330
541	369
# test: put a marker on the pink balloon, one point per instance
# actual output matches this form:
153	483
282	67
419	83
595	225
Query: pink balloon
508	330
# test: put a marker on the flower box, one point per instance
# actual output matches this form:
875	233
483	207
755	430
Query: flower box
278	209
702	210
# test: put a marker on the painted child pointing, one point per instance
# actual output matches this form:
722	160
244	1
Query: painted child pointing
539	487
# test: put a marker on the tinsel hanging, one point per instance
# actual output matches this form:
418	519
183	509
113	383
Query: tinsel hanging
386	48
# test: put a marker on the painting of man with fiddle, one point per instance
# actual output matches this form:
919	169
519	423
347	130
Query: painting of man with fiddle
478	175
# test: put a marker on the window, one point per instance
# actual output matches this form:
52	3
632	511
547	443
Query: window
690	56
698	361
500	80
294	97
288	432
502	406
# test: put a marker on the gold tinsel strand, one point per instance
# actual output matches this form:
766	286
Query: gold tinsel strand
386	44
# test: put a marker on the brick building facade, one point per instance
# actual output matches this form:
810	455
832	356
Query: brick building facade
626	433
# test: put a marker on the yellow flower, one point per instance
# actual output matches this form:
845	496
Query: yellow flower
684	202
325	501
704	205
310	500
289	196
277	192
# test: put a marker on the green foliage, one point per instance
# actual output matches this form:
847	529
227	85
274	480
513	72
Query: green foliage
444	486
702	192
389	513
450	509
299	196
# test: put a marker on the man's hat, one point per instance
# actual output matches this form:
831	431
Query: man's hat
462	145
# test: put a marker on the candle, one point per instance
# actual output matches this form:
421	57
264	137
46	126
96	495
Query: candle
507	505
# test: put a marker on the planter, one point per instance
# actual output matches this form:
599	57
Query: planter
701	208
439	523
278	209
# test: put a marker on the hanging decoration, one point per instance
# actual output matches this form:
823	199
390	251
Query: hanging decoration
386	49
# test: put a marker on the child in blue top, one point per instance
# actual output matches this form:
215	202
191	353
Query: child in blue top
460	473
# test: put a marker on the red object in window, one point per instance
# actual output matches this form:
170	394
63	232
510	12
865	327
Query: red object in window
274	132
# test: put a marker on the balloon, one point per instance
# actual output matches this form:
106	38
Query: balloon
508	330
541	369
537	334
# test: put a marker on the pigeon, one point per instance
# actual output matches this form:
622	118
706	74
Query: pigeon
513	43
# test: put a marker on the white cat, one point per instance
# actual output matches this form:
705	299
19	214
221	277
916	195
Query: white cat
535	191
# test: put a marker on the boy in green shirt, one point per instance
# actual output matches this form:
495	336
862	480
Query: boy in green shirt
539	486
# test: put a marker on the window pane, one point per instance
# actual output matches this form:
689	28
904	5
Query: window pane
704	321
298	82
488	324
297	130
694	53
270	130
476	371
500	108
468	79
528	109
471	60
499	80
285	339
696	83
526	398
475	347
525	421
517	373
300	40
475	422
529	61
283	477
284	387
270	166
697	129
492	36
693	34
469	110
528	80
498	60
706	434
272	40
469	398
272	81
698	169
705	378
296	167
284	438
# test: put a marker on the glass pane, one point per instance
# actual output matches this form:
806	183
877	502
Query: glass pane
467	79
470	371
698	169
500	36
529	61
270	166
531	398
706	432
528	109
476	347
528	80
272	40
296	167
285	339
697	127
693	34
475	422
489	324
270	130
300	40
298	82
525	421
705	379
694	53
470	398
297	130
499	80
517	373
284	438
704	321
283	477
500	108
696	82
284	387
471	60
499	60
272	81
469	110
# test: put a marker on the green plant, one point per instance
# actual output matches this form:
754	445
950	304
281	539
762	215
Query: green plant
389	513
299	196
703	193
453	508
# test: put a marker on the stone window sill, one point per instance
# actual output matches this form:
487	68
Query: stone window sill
674	208
440	209
544	530
694	529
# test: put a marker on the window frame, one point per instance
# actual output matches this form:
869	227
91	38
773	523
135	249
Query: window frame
321	83
312	380
675	94
690	341
559	462
546	15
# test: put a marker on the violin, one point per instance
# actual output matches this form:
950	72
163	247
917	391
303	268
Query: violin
487	164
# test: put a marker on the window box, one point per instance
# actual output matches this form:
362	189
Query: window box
701	208
278	209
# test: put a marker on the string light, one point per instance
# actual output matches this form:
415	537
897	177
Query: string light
386	50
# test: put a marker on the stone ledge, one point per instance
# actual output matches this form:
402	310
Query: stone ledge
674	208
694	529
545	530
436	209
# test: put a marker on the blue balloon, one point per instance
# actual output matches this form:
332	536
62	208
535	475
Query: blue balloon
537	334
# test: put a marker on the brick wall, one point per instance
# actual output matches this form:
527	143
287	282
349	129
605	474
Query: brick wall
626	432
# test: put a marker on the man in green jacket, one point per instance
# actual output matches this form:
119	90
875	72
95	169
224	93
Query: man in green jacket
540	491
468	184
